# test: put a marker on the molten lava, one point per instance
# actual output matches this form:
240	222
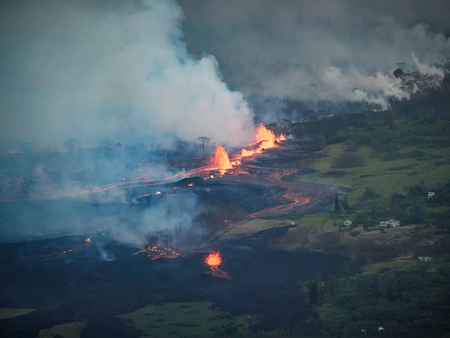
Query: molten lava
220	159
214	260
158	251
266	140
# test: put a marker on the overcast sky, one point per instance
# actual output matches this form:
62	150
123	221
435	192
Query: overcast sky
282	47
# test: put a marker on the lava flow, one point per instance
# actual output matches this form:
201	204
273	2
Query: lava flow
214	260
158	251
265	139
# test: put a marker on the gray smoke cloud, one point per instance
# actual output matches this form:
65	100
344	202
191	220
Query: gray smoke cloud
320	50
109	70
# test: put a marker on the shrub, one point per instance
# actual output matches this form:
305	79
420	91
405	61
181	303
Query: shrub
347	160
369	194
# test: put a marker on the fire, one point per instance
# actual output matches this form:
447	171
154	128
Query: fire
213	259
220	159
190	184
266	139
89	240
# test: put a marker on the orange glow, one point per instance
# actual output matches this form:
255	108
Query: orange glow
159	251
158	193
220	159
190	184
213	259
89	240
267	140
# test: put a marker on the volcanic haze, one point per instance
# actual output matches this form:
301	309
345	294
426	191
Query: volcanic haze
109	71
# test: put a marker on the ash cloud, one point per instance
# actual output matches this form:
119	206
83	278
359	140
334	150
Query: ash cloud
320	50
109	71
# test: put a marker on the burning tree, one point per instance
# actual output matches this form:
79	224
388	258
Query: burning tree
204	141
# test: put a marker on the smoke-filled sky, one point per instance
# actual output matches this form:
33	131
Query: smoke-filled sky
109	71
132	71
318	50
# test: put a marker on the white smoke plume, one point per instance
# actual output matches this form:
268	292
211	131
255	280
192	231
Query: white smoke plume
109	70
320	50
172	214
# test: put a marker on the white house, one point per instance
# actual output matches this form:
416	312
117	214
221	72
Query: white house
384	224
393	223
430	194
424	258
347	224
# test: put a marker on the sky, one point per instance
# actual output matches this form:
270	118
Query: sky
318	50
159	71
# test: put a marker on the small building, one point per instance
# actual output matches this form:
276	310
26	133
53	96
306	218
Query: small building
430	194
424	258
347	224
392	223
384	224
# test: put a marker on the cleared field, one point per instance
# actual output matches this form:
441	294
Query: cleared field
183	319
6	312
386	177
252	226
67	330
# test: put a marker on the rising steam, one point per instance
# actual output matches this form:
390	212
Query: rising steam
114	71
320	50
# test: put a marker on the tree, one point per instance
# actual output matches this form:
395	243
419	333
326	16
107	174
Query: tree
345	202
336	203
313	291
204	141
369	193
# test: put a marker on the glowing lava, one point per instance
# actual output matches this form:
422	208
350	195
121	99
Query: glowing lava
158	251
220	159
214	260
266	140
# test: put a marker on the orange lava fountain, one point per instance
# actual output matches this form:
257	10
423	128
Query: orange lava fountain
214	260
220	159
267	140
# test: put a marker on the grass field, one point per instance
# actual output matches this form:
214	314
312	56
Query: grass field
180	319
66	330
386	177
6	312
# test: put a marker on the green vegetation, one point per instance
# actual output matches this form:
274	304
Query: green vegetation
6	312
67	330
390	168
185	319
388	157
413	301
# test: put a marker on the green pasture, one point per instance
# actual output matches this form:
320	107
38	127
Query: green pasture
385	177
184	319
6	312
